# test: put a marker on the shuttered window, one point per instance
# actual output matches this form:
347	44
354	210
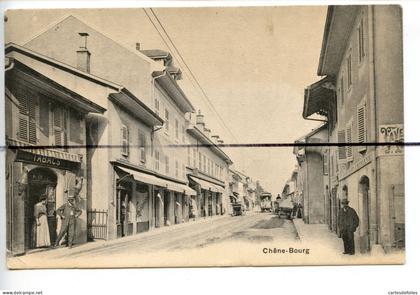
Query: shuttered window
342	151
361	126
361	40
167	165
325	163
142	146
60	119
176	129
349	147
189	156
125	136
75	129
57	124
157	160
28	110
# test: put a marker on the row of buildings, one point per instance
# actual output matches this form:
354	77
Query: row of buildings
359	100
86	116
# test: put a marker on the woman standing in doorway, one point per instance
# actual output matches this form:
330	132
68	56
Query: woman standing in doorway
42	231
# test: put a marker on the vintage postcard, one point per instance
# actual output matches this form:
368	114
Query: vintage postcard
219	136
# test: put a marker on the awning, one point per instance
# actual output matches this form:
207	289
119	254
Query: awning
181	188
151	179
206	185
319	98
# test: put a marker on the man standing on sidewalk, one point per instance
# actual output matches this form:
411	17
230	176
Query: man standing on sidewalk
348	221
69	213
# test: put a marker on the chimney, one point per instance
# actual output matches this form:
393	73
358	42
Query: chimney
200	121
215	138
83	54
138	47
207	132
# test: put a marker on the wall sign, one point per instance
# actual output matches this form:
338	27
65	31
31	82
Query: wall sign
35	159
393	134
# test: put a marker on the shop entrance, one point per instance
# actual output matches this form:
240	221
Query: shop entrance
364	220
166	206
41	182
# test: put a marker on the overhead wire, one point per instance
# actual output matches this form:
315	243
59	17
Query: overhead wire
195	82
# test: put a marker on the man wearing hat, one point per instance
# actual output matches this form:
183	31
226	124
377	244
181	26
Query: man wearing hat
348	221
68	213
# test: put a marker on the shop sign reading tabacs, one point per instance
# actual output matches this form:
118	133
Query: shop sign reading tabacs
35	159
392	134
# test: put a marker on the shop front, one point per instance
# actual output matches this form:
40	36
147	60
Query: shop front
145	201
209	196
34	175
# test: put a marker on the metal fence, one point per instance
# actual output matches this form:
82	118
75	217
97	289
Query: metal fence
97	224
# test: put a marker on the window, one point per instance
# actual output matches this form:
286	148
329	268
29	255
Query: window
166	120
142	146
176	168
194	158
205	164
157	159
125	137
341	138
342	90
167	165
360	32
200	164
325	163
176	129
208	165
157	106
349	131
189	155
27	117
361	126
349	77
60	126
183	133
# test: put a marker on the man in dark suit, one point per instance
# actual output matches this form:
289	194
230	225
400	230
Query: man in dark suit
348	221
69	213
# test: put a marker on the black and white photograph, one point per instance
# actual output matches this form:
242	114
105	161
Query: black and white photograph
210	136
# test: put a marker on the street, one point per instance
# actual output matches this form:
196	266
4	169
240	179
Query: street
252	231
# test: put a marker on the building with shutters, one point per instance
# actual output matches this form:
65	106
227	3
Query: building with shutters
207	170
136	161
47	104
312	173
361	96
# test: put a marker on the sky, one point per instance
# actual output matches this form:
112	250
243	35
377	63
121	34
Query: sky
252	62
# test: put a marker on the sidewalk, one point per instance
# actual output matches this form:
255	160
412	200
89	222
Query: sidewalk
309	233
57	253
327	248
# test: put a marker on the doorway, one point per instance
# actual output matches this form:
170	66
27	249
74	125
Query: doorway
41	181
166	206
364	220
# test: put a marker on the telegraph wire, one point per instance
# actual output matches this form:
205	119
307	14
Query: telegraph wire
188	69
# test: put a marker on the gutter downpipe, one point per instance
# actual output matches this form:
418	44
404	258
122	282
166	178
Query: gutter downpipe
153	100
154	214
374	227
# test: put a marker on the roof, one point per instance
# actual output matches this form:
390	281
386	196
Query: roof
117	92
43	83
157	54
319	98
338	26
196	133
53	62
164	79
